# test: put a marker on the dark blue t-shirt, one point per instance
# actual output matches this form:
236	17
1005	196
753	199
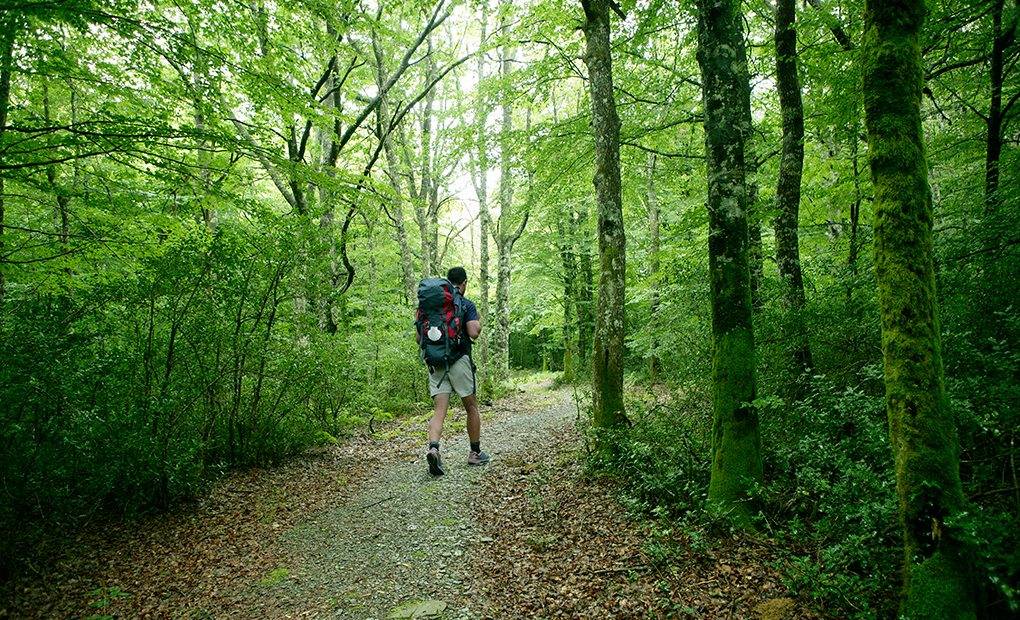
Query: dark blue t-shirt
470	314
470	311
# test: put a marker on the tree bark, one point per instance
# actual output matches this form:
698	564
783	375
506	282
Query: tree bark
8	27
791	168
855	206
428	207
736	446
564	225
396	211
855	219
583	288
653	264
756	253
501	326
610	326
936	574
62	199
482	188
1002	39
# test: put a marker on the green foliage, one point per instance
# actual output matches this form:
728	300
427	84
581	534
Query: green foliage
663	457
830	494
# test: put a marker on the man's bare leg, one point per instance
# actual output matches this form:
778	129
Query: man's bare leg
442	402
474	421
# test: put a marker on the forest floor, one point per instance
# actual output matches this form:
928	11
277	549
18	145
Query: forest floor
360	530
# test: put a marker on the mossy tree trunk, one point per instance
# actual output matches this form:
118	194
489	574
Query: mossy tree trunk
936	571
736	446
791	169
607	363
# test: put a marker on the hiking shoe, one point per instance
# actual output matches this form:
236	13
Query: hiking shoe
478	458
435	463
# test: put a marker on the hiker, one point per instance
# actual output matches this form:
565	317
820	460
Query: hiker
445	326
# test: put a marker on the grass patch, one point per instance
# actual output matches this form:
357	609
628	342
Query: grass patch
275	576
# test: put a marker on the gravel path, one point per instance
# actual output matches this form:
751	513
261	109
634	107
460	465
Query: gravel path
401	537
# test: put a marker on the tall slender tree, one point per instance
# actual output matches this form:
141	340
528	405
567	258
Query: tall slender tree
568	259
726	95
509	225
481	182
654	225
8	28
791	168
936	575
394	211
1003	37
610	326
585	297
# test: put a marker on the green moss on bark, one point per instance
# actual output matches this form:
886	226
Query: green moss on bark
937	576
607	363
736	449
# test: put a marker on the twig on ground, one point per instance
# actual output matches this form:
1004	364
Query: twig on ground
621	569
377	503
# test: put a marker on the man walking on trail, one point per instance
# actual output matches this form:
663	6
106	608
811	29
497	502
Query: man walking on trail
457	375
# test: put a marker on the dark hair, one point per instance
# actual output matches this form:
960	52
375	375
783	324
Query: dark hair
457	275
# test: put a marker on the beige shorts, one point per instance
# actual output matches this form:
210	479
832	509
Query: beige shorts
460	379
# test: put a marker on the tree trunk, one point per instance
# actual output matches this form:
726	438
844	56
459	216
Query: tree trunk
483	194
62	199
396	211
653	263
791	168
426	197
196	88
607	364
501	329
736	446
583	288
936	572
756	253
8	25
501	326
1002	38
564	223
855	208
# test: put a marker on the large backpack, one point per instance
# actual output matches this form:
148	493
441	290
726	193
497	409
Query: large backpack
440	322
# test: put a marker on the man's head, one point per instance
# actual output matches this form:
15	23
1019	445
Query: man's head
458	276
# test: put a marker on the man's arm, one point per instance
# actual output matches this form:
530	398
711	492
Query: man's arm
474	326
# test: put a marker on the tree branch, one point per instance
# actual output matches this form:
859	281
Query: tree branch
435	21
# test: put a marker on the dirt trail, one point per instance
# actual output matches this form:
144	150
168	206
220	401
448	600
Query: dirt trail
400	540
